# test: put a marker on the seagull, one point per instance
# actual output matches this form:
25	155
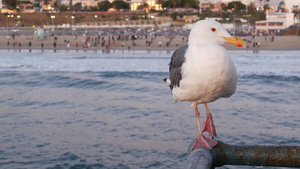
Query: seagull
202	72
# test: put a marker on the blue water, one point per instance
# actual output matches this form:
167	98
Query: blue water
69	109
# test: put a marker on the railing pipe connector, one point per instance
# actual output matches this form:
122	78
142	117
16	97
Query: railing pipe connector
255	155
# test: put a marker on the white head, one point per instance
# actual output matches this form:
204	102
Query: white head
211	32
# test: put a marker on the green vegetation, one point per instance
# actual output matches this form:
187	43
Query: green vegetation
179	4
120	4
77	7
104	5
12	4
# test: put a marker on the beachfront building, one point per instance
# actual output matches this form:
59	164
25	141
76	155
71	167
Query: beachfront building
292	4
88	3
84	3
275	22
134	4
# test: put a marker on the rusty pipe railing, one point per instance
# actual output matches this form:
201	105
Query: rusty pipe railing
200	158
225	154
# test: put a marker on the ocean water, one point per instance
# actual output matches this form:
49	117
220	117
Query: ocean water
87	109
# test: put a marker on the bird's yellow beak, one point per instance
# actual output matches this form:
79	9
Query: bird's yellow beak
235	40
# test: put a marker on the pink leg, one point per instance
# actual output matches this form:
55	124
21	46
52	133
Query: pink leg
202	141
209	124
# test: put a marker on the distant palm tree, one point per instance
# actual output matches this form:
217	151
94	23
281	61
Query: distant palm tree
223	6
211	6
174	3
71	4
55	4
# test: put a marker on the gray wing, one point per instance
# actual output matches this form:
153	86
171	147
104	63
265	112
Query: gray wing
175	66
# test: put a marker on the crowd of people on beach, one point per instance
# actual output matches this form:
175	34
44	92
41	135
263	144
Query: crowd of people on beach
105	41
256	44
118	40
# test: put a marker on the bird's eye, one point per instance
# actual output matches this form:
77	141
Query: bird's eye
213	29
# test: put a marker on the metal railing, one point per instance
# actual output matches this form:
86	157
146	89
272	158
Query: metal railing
225	154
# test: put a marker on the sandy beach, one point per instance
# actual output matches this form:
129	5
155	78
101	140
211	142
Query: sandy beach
159	43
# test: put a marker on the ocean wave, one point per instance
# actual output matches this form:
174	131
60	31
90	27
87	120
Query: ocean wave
271	77
132	74
15	67
65	80
87	80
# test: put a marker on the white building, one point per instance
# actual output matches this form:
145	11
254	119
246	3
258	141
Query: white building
275	22
290	3
152	4
84	3
278	20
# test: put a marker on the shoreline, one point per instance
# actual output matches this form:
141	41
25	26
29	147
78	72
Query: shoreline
158	43
138	49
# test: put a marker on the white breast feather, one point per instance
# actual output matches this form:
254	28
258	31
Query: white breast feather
208	74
